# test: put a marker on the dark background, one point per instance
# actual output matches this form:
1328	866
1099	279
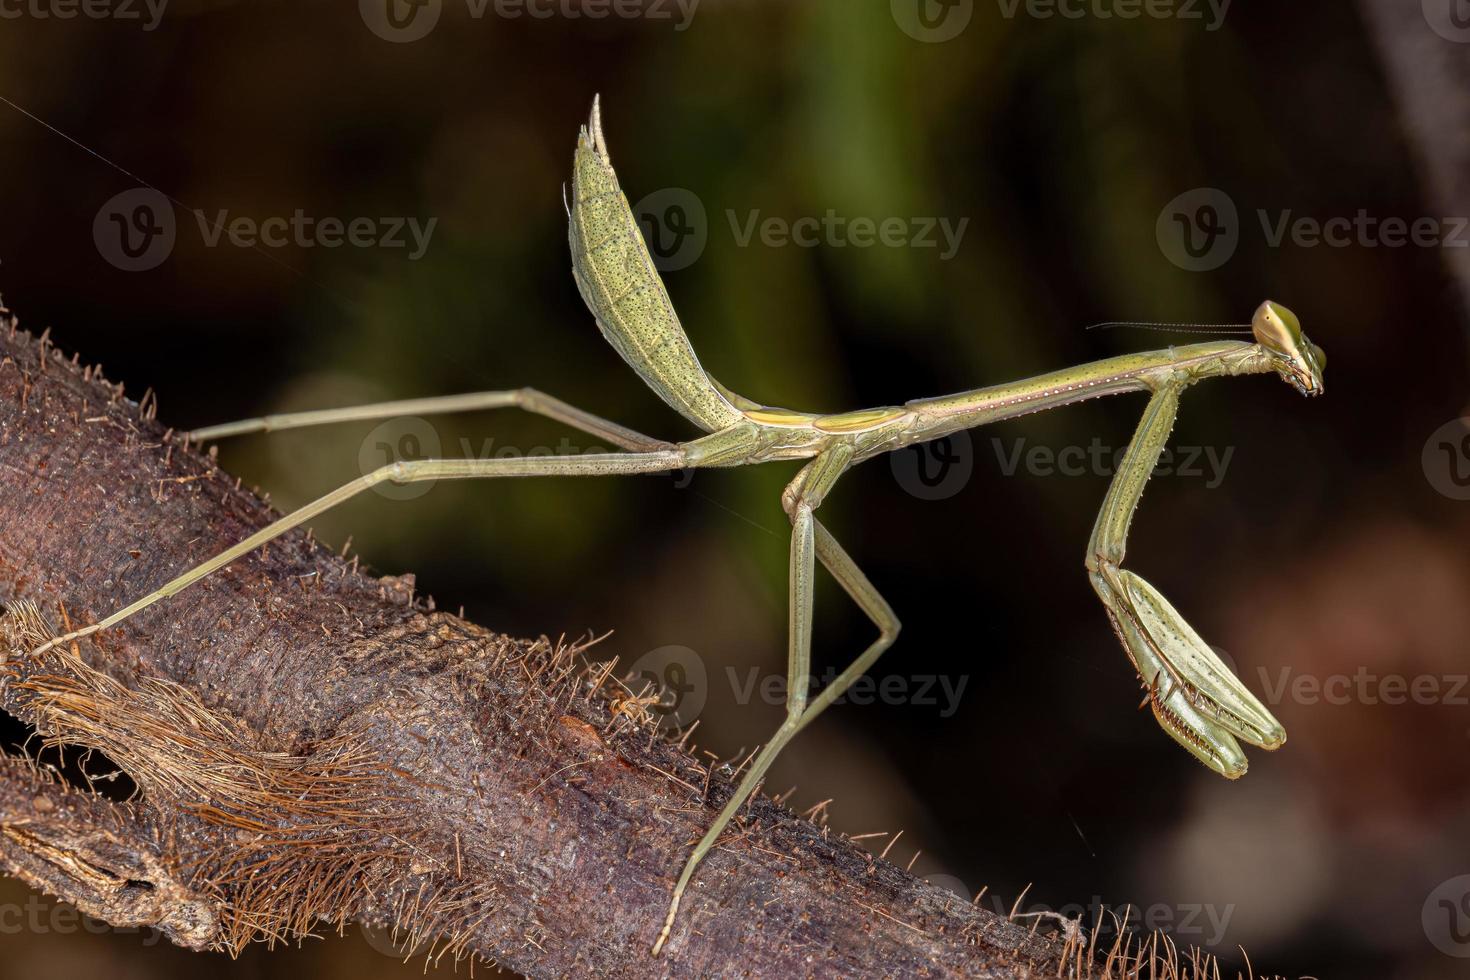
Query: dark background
1333	548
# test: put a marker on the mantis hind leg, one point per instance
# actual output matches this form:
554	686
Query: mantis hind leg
527	399
809	540
417	471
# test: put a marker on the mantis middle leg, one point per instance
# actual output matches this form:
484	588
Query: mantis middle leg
809	540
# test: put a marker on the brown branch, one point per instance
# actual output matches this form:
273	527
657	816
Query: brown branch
313	745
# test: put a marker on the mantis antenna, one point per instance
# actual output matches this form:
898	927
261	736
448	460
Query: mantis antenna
1197	700
1212	329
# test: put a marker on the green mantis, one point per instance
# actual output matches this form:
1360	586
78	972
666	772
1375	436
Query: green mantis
1194	696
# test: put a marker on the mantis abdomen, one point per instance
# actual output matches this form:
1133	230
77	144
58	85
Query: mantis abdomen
617	278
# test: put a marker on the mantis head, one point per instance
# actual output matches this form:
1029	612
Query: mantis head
1294	357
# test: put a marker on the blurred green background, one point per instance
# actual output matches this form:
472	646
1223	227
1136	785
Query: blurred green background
1073	150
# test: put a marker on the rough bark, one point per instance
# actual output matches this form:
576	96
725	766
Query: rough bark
313	745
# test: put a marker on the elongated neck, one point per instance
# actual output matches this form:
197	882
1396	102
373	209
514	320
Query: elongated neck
1144	371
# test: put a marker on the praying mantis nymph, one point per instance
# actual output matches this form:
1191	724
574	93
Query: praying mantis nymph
1194	696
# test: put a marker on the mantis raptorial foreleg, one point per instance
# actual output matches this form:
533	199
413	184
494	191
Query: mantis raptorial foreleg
528	399
1108	544
1195	697
403	472
809	541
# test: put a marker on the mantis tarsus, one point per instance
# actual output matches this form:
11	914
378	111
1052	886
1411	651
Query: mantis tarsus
1194	696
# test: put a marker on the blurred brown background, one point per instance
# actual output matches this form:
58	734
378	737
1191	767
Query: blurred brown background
1089	166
